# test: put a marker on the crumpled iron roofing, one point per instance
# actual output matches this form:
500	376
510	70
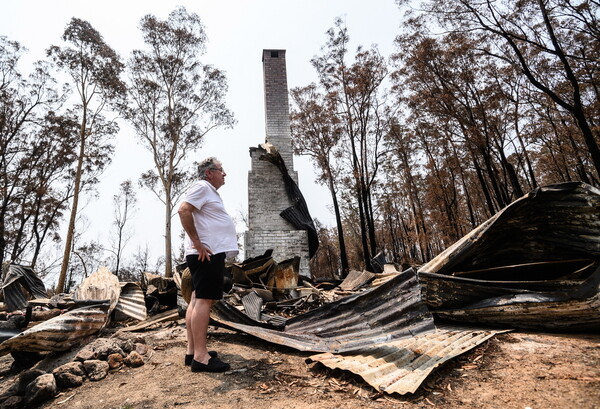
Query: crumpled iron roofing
535	264
18	278
383	314
401	366
61	332
131	302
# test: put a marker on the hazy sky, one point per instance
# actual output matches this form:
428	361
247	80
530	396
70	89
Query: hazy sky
238	31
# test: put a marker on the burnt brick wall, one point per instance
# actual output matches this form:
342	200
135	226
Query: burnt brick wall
286	244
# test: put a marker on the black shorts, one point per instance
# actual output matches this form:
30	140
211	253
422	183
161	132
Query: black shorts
207	276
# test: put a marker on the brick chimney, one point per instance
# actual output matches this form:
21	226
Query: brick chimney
267	196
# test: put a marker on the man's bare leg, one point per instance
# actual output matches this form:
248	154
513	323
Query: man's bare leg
200	318
189	325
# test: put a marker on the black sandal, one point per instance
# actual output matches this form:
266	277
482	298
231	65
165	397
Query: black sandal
214	365
189	358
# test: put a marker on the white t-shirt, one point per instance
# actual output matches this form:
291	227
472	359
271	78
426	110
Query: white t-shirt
215	227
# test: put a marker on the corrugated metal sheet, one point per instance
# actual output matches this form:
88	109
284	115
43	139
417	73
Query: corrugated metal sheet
532	265
18	278
401	366
556	222
131	302
101	285
297	214
575	310
391	311
59	333
253	305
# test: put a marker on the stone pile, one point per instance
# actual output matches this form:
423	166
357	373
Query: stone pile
93	362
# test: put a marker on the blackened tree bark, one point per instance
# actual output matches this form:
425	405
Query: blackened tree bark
316	133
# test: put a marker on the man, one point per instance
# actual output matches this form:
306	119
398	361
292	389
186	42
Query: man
210	238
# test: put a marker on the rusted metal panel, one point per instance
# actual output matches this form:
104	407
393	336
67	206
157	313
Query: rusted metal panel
285	275
356	279
401	366
186	286
389	312
59	333
533	265
131	303
253	269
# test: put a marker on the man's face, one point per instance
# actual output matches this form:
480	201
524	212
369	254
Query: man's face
215	175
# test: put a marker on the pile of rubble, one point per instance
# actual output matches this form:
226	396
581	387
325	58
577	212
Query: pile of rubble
534	265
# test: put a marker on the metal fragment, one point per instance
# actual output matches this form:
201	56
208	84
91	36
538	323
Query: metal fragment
534	265
391	311
59	333
401	366
101	285
131	303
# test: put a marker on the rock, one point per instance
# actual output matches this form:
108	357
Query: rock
134	360
96	369
27	377
86	354
103	350
138	339
39	390
127	345
12	402
69	375
141	349
114	361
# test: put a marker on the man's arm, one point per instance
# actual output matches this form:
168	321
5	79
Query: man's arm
187	221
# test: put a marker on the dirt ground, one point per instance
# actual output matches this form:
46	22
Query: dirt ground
512	370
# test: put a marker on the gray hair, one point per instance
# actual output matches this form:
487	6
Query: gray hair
205	165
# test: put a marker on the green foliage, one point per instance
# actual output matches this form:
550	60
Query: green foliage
175	100
95	71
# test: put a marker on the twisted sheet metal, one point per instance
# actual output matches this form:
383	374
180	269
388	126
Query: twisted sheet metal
18	278
386	313
401	366
554	226
253	305
555	222
574	310
101	285
59	333
131	302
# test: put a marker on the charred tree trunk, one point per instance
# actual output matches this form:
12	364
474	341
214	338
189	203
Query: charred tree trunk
340	229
